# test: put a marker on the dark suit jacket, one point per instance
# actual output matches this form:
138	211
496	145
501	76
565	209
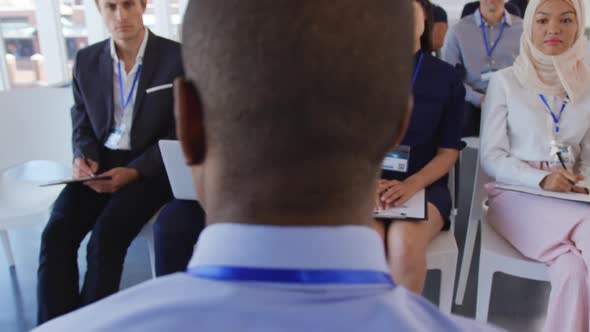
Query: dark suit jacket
153	114
471	7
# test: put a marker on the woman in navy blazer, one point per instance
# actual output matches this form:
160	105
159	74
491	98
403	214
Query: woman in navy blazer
434	139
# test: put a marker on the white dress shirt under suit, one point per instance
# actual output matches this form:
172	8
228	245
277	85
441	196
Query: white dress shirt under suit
123	118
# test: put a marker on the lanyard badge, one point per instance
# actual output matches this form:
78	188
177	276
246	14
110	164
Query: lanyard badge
125	102
291	276
397	160
558	152
490	63
556	118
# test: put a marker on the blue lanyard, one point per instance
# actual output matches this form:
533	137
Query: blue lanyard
417	69
125	103
291	276
556	119
485	35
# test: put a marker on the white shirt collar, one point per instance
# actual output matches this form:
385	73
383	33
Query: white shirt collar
140	52
290	247
478	20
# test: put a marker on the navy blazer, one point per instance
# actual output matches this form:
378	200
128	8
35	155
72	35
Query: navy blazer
153	114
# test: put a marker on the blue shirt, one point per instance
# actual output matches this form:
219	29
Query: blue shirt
464	46
181	302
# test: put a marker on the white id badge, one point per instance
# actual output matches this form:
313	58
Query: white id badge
486	75
557	151
397	159
114	139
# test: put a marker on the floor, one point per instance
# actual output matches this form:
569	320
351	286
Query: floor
516	304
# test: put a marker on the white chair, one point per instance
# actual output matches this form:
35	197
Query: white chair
477	199
472	142
442	254
475	213
22	201
35	140
496	254
147	232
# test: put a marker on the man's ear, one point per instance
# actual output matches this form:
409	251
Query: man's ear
402	128
189	121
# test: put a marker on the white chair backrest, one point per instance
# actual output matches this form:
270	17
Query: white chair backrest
35	124
479	193
453	185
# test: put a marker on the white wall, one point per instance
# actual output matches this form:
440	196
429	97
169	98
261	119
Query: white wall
452	7
35	124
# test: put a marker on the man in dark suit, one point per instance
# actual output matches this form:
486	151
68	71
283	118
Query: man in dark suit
123	104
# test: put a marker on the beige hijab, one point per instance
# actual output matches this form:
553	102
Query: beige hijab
554	75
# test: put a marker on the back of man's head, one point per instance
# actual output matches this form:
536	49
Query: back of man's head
308	91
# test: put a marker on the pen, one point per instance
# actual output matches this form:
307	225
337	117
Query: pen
563	165
92	174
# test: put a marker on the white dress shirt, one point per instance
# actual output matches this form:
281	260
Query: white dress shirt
123	118
517	127
181	302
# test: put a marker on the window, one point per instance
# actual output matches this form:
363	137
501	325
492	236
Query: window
149	17
18	27
73	23
175	19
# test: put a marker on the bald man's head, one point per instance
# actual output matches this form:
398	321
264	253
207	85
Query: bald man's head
284	83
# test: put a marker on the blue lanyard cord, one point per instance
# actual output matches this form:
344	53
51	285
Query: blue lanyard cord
292	276
485	35
125	103
556	119
417	69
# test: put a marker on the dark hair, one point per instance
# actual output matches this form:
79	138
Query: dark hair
289	87
426	38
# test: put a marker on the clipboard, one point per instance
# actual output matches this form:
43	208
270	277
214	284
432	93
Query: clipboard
80	180
540	192
415	209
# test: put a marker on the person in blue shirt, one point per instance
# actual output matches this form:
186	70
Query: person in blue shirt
513	7
285	115
434	140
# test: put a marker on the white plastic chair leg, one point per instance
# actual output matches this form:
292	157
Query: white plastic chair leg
6	246
484	290
152	254
466	259
447	284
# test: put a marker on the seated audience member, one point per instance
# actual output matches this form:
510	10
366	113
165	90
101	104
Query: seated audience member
440	26
536	133
175	233
479	45
288	109
117	122
471	7
434	141
520	4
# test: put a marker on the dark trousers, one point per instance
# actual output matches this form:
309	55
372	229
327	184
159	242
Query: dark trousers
471	120
175	233
114	219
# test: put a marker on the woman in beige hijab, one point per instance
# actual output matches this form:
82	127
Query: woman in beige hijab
536	134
